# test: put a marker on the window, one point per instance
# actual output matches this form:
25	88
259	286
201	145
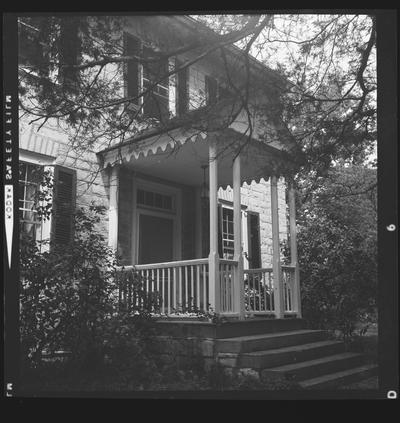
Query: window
195	90
30	177
154	200
29	47
147	76
60	200
156	101
227	233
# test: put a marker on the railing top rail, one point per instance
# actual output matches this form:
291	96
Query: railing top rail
164	265
228	261
288	266
261	269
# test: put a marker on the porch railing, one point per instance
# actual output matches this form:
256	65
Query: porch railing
176	287
183	287
260	290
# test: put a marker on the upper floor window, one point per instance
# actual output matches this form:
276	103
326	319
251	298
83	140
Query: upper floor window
148	76
189	89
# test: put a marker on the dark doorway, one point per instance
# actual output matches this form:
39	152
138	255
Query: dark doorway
155	239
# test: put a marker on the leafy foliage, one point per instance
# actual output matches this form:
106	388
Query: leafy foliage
337	248
69	301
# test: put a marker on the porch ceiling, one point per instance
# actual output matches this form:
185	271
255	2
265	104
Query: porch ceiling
178	156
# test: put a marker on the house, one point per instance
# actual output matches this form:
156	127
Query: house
197	202
194	202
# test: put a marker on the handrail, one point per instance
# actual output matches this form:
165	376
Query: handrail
261	269
228	261
164	265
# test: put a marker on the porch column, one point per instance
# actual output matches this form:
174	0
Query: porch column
237	240
279	297
198	226
293	247
213	258
113	208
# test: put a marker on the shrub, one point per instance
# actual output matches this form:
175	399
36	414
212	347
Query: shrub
69	301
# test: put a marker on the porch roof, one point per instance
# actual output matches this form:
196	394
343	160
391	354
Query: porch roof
178	155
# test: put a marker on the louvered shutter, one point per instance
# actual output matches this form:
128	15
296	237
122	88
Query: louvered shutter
132	48
182	95
211	89
64	200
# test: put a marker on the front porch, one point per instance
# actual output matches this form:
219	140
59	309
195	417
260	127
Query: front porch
210	284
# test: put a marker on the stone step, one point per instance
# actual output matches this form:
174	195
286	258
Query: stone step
258	326
333	380
276	357
241	344
313	368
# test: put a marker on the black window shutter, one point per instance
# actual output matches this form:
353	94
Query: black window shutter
64	200
211	89
182	97
253	222
132	47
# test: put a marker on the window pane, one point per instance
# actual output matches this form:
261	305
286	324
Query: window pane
140	196
149	198
29	184
167	202
158	200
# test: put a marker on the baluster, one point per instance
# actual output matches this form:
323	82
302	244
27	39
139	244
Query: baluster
198	287
186	287
230	277
225	286
174	289
232	286
158	288
205	297
254	292
222	286
180	288
192	298
168	295
162	291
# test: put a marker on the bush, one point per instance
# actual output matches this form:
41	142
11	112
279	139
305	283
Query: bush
69	301
337	252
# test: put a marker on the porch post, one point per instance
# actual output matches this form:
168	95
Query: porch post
276	264
293	246
213	258
113	207
237	240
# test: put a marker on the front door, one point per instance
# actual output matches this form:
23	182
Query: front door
155	239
